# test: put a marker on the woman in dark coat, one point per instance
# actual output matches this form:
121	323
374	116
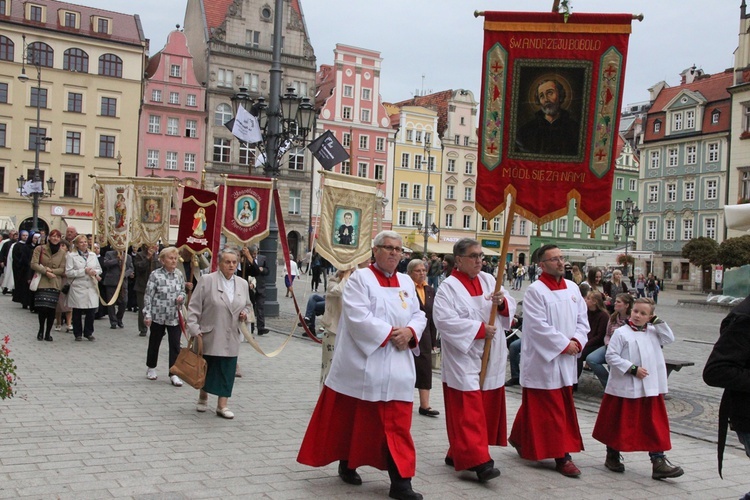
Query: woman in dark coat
22	272
598	318
423	363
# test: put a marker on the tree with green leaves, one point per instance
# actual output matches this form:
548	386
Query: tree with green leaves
701	251
735	252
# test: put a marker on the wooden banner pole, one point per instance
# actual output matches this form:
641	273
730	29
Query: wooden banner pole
511	208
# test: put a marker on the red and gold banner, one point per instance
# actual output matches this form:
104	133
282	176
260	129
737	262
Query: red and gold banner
197	219
246	210
549	113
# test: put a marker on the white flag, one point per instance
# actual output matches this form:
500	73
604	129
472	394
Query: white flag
31	187
246	127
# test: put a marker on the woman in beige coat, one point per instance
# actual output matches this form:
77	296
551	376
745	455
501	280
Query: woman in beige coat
220	302
49	261
84	273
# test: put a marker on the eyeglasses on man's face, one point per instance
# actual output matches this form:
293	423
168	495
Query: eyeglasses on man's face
555	259
474	256
391	248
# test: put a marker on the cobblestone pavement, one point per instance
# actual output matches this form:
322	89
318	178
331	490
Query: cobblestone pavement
86	423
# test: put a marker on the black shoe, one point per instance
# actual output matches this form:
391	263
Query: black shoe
91	338
349	476
428	412
486	471
48	338
113	326
78	339
263	331
511	382
40	336
408	494
120	325
142	334
449	461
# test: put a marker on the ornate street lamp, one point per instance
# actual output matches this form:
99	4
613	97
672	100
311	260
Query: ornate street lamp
34	189
627	219
119	163
429	229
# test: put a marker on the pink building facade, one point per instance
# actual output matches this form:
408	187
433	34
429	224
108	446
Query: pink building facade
350	106
173	119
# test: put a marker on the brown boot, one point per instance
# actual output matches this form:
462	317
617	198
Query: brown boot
663	468
613	462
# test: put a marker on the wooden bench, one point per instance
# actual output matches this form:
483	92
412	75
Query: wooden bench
676	365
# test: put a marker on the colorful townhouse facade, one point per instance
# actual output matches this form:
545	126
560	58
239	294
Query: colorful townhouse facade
91	63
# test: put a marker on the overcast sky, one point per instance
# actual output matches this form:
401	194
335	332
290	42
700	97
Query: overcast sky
442	40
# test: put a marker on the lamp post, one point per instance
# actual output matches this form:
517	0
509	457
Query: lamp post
34	190
284	121
429	229
119	163
627	218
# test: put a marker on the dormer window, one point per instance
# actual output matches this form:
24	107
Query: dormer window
174	70
35	13
715	116
102	25
4	4
657	126
70	19
677	121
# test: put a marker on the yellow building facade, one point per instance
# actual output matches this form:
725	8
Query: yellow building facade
85	68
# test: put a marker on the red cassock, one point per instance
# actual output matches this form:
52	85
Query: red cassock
633	424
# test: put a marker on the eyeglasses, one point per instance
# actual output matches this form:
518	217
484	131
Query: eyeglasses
555	259
389	248
474	256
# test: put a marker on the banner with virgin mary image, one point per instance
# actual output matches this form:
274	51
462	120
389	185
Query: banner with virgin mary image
113	206
197	219
549	112
246	212
347	212
153	203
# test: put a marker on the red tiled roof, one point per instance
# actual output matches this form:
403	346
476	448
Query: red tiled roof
437	101
712	87
216	11
125	28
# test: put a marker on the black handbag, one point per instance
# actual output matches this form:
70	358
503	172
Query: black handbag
65	288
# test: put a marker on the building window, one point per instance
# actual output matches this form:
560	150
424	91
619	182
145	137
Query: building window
250	80
677	122
173	127
346	167
709	228
690	119
156	95
457	140
364	142
619	183
633	184
431	163
38	95
672	155
605	228
346	113
403	191
671	192
745	109
362	170
689	194
467	221
379	172
576	226
171	161
282	43
106	146
225	78
496	224
667	270
102	25
562	225
297	159
404	160
687	229
76	60
6	49
366	94
191	128
657	126
715	117
468	194
653	193
110	65
712	189
348	91
521	228
2	179
415	219
416	191
247	154
35	13
654	159
222	148
450	192
417	162
745	185
418	136
401	218
713	152
252	38
40	53
451	165
691	154
380	144
174	98
191	100
346	139
189	162
618	204
651	230
669	226
109	106
73	143
448	220
430	192
75	102
365	115
4	93
295	201
469	168
466	140
41	133
152	159
154	124
223	114
70	185
174	70
3	130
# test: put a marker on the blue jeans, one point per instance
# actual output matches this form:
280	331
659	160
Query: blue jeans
514	351
433	281
316	305
596	361
744	438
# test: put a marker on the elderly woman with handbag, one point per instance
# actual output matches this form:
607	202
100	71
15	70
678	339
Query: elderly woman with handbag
84	273
220	302
48	261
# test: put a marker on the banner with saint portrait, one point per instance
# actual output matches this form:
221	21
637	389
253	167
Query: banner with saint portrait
114	202
347	213
246	210
153	202
549	112
197	219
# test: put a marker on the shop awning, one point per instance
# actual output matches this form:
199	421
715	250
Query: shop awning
83	226
490	252
433	247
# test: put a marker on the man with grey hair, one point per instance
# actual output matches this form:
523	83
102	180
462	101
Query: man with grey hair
368	395
256	267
